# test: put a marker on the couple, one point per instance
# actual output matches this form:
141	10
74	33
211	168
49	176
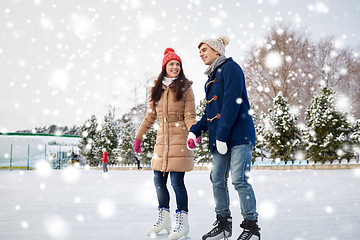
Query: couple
231	140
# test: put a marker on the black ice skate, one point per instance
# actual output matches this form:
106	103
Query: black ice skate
251	230
222	229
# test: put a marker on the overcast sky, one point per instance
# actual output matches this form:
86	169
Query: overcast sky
63	60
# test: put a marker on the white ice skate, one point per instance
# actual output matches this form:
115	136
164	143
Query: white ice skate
181	226
162	223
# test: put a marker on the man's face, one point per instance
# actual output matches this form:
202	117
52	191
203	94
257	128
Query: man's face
207	54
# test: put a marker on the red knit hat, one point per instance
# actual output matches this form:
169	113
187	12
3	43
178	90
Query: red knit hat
170	54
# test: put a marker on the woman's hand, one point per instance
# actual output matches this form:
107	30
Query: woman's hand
193	141
137	146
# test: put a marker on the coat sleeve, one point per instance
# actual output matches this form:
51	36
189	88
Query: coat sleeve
147	122
200	127
189	111
233	88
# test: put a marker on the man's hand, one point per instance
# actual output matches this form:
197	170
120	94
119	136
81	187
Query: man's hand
221	147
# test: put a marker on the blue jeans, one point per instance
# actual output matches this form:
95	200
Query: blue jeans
238	160
105	168
177	182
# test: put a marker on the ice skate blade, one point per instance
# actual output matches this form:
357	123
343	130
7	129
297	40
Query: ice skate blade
163	235
183	237
219	238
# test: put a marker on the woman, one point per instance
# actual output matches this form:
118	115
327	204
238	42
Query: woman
172	102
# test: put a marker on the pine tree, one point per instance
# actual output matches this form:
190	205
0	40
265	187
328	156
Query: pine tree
108	138
87	143
355	138
260	128
202	153
148	145
126	135
283	136
327	129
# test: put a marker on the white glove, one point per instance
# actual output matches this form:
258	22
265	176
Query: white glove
221	147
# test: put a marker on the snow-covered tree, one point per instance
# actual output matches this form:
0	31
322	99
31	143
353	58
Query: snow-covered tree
202	153
355	138
148	145
87	144
129	123
107	137
282	64
288	61
126	139
327	129
54	129
260	127
281	132
339	68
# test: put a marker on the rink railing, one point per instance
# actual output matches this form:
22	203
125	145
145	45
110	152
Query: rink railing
24	150
289	165
263	165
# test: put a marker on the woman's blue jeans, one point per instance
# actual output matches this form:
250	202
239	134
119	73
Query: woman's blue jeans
238	160
177	182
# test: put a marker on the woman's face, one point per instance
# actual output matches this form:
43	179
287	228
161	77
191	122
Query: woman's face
173	68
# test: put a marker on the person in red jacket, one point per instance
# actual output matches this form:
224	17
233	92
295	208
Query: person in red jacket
105	160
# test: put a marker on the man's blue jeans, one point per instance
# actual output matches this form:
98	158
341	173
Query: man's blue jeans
177	182
238	160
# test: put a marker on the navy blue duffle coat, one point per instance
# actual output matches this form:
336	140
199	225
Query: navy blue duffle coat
226	115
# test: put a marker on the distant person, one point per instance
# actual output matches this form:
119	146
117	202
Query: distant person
172	103
231	139
105	160
137	162
74	157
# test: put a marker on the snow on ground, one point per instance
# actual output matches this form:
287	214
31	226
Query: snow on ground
87	204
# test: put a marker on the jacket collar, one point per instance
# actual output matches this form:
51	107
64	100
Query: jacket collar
219	66
186	85
212	75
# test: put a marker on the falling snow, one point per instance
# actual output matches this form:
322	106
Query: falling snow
64	61
291	204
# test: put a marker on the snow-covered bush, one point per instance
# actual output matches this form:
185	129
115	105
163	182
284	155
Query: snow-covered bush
327	134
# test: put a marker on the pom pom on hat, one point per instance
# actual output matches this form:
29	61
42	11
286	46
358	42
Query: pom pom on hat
217	44
168	50
170	54
225	40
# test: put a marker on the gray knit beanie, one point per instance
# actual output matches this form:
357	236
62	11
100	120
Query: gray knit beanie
217	44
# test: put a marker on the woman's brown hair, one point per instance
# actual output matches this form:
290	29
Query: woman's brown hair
178	86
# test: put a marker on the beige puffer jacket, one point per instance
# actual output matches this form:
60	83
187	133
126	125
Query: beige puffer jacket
170	152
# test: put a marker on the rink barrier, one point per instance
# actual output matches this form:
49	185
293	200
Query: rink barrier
289	165
23	150
335	165
16	168
208	167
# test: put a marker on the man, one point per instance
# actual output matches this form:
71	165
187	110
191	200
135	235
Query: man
231	139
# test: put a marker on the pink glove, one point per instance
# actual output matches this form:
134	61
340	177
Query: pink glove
191	143
137	146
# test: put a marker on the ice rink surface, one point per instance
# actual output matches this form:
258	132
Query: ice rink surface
89	205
